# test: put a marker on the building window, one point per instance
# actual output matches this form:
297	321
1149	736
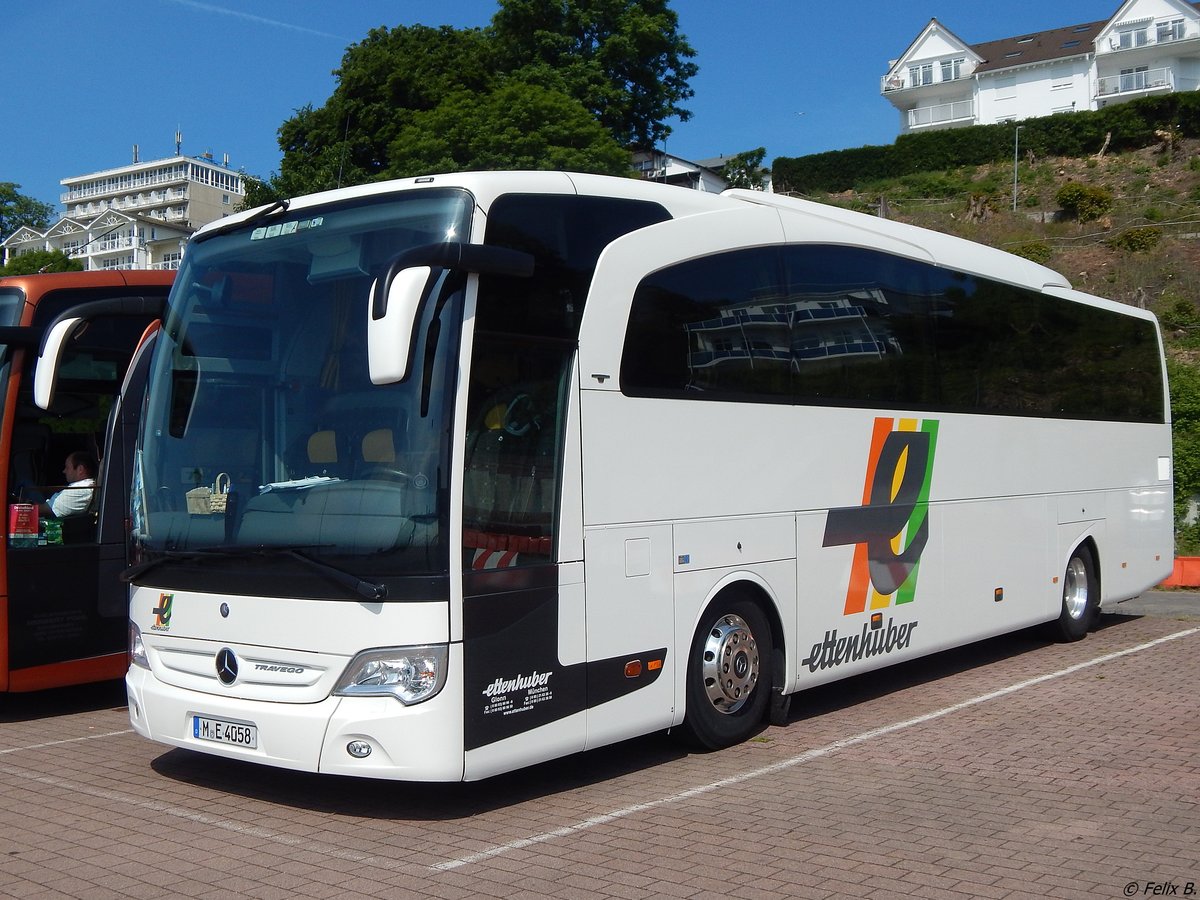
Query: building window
1134	79
1061	79
920	75
1006	88
1171	30
1132	37
952	69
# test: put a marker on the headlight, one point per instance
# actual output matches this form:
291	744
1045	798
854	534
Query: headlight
410	674
137	650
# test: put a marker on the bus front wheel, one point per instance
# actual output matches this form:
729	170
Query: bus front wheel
1080	598
729	673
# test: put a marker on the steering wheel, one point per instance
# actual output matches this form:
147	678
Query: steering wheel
520	416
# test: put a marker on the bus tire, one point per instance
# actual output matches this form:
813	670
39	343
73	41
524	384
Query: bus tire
728	673
1080	597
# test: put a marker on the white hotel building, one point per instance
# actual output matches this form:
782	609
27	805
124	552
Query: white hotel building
1146	47
138	216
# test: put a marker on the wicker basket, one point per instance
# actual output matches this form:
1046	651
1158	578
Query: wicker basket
207	501
220	493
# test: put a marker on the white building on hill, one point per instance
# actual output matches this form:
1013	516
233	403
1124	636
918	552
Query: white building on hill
1146	47
138	216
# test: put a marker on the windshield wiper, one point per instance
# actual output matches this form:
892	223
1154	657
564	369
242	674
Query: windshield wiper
368	590
249	222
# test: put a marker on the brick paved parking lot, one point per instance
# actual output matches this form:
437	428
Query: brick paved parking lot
1013	768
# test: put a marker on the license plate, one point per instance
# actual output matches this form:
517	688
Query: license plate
219	731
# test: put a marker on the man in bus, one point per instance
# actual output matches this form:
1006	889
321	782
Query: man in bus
76	497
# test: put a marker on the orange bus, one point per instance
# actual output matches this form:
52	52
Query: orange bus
63	609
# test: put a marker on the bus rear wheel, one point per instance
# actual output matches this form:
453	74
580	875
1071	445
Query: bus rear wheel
1080	598
729	673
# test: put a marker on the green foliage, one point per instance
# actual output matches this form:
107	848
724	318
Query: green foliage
1085	202
745	169
1181	313
1126	126
18	210
518	126
1038	251
624	60
1137	240
384	81
41	261
407	99
1185	432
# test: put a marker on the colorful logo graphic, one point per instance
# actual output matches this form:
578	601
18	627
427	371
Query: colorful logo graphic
162	612
891	528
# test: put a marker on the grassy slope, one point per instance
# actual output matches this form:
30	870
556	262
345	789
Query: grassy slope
1156	188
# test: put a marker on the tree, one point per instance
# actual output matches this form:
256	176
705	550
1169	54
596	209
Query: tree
517	126
17	210
412	100
34	261
384	81
745	170
1184	381
624	60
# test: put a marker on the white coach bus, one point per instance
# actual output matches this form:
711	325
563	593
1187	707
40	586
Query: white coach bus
447	476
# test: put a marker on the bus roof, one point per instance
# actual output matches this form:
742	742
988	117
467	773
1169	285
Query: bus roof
942	249
35	285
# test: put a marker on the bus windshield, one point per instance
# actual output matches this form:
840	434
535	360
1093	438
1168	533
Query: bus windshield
11	300
269	463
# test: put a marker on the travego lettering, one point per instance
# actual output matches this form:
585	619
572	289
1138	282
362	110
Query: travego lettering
835	650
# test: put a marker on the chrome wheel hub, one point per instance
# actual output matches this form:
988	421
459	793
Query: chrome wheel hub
729	664
1075	588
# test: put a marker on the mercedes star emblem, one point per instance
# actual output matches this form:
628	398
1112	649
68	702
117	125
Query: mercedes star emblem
227	666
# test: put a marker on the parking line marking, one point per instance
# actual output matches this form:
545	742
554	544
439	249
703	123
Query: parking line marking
225	824
807	756
86	737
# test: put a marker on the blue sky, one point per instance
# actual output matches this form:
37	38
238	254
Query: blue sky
88	79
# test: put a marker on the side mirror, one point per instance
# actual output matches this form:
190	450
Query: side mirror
67	324
390	336
399	295
45	376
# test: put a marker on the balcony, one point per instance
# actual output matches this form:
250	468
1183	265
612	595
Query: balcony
926	75
111	186
942	114
1128	83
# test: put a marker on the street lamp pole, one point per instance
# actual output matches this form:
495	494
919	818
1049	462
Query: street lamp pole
1016	162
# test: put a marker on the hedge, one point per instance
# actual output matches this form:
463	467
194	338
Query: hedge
1128	126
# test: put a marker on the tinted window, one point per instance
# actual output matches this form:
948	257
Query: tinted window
525	334
720	326
566	235
860	326
849	326
1004	349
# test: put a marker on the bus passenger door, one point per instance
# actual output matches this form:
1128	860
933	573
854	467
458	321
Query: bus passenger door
523	659
68	609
